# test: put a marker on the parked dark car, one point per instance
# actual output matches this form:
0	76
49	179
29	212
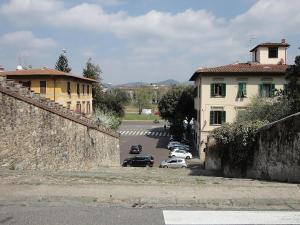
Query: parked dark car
135	149
145	160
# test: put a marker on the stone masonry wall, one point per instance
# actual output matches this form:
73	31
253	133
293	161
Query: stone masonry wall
278	154
36	133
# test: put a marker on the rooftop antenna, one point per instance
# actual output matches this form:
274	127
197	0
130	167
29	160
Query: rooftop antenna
64	51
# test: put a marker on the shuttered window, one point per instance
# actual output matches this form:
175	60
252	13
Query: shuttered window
43	87
78	89
69	87
218	90
266	90
217	117
242	90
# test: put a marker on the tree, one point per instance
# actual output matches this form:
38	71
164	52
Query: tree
292	75
62	64
143	98
108	102
92	70
176	106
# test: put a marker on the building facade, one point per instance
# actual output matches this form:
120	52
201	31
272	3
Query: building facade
66	89
222	92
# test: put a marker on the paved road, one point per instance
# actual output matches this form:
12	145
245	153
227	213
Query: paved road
44	213
152	137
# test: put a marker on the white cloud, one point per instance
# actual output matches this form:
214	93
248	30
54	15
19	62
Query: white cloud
26	40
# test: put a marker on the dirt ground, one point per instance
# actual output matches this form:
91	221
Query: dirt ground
147	187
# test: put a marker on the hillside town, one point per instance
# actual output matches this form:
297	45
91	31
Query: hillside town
220	140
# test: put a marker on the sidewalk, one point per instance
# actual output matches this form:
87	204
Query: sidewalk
139	187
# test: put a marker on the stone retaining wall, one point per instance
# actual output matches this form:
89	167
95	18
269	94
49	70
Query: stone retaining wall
36	133
278	154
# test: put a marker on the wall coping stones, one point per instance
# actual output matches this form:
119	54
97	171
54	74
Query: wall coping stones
13	89
269	125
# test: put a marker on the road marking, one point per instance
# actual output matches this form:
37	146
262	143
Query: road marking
230	217
144	132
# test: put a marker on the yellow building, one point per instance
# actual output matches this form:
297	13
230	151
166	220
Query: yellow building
222	92
66	89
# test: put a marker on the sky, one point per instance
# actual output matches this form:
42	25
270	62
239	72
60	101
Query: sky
143	40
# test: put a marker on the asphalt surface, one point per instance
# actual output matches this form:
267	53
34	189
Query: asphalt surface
153	145
74	214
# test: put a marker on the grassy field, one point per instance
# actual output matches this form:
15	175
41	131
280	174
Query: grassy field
134	116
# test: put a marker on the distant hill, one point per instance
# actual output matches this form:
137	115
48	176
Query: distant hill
168	82
137	84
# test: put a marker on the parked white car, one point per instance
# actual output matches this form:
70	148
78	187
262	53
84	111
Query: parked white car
181	154
173	163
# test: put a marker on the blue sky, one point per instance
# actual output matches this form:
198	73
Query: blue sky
143	40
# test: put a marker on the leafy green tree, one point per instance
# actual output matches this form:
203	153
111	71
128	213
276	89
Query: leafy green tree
176	106
62	64
108	102
265	109
92	71
121	96
143	98
293	76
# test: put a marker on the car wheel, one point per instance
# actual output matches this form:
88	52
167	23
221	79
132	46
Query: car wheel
165	166
188	157
125	165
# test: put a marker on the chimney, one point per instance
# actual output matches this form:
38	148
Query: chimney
282	41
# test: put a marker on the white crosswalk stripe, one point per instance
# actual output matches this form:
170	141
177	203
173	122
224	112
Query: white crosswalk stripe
143	133
174	217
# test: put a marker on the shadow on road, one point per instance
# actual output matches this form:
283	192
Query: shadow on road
162	140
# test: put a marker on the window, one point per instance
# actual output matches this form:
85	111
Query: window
273	52
266	90
78	107
78	89
242	90
217	117
83	107
88	89
69	105
69	87
218	90
43	87
83	87
26	84
88	108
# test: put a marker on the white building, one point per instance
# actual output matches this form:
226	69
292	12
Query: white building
221	92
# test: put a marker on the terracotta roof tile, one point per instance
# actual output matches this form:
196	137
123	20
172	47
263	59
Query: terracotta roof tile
249	68
43	72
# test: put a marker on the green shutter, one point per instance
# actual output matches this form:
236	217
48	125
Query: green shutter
211	119
223	117
212	90
245	89
260	89
223	90
240	90
272	90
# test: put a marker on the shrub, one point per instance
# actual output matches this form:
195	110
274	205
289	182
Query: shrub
108	119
